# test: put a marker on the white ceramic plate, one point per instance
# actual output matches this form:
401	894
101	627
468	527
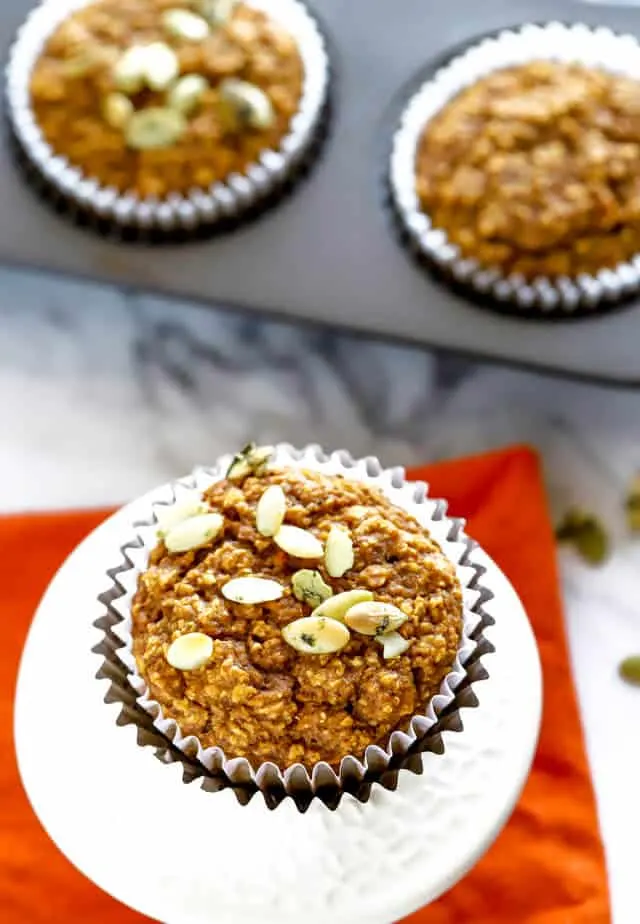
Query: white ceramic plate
184	856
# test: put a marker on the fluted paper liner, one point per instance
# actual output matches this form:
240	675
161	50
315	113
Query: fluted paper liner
544	296
178	215
356	776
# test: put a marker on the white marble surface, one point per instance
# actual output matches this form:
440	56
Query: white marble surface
103	395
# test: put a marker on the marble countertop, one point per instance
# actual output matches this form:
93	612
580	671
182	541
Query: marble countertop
104	394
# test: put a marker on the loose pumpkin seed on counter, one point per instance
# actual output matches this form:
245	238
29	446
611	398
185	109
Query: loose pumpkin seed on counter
193	532
270	511
191	651
629	669
287	682
586	534
632	505
310	588
316	635
374	618
338	555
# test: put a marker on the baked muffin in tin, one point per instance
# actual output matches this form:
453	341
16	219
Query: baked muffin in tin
523	182
534	169
168	113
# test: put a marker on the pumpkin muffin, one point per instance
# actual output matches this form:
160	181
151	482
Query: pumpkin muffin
533	170
170	101
292	616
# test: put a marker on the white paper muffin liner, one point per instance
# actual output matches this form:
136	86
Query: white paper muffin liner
355	775
544	296
214	208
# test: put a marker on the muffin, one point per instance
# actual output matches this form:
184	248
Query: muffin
176	112
533	169
529	172
295	626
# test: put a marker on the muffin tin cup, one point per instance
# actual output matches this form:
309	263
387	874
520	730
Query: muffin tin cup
559	297
357	773
178	216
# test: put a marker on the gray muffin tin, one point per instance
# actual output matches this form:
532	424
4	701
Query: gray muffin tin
329	253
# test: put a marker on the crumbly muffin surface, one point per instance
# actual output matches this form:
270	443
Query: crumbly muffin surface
533	169
74	76
259	698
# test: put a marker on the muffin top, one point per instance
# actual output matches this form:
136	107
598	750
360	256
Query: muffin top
264	678
534	169
162	96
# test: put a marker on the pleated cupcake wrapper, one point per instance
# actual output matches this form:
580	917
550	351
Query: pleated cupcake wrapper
355	775
544	296
87	201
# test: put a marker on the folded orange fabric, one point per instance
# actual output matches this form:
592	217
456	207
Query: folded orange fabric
547	866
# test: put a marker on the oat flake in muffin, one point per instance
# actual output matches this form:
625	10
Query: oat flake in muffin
260	697
534	169
202	105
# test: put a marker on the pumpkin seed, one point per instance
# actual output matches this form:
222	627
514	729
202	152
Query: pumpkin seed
189	505
338	553
251	590
586	534
252	460
632	505
89	59
194	532
245	106
79	65
130	70
336	607
316	635
191	651
161	66
217	12
300	543
183	24
117	109
187	92
629	669
309	587
271	510
374	618
155	127
393	645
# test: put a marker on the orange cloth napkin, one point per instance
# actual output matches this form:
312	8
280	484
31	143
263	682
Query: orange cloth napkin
547	866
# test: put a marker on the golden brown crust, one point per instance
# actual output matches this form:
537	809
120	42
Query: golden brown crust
68	105
259	698
534	169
